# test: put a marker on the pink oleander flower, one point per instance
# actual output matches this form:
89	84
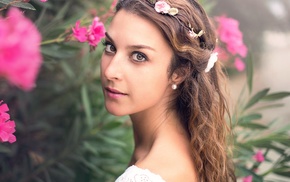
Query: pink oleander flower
93	34
223	55
162	7
114	3
96	32
230	34
80	33
7	127
43	0
259	156
20	57
248	178
239	64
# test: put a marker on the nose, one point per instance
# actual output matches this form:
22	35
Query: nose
112	67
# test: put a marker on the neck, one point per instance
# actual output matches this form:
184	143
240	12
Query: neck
148	127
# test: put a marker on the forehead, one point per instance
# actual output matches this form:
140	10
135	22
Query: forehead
132	28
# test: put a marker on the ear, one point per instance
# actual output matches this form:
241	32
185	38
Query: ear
177	78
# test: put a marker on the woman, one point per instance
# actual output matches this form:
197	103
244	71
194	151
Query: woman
158	68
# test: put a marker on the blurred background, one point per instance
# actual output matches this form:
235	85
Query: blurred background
65	134
266	28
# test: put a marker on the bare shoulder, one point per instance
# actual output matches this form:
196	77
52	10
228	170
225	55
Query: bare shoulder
172	162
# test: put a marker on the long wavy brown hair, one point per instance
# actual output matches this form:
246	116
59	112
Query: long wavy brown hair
200	100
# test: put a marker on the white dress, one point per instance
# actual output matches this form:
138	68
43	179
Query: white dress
136	174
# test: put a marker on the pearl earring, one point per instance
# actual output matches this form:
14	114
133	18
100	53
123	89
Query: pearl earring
174	86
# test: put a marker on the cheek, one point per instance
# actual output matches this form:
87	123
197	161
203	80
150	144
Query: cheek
103	65
152	85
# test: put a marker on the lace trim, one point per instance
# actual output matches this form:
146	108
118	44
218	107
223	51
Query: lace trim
136	174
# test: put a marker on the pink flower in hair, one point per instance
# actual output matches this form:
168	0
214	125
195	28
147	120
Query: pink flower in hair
162	7
20	57
7	127
248	178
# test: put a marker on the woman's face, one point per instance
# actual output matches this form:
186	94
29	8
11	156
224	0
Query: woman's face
134	66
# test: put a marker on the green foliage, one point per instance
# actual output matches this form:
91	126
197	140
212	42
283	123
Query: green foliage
63	131
7	3
252	133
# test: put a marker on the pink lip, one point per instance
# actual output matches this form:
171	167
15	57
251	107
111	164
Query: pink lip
113	93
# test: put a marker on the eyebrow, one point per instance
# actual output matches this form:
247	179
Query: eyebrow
138	46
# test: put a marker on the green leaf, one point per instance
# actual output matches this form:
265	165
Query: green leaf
249	118
250	72
58	51
4	149
283	129
271	106
113	141
276	96
266	141
74	133
254	126
282	171
256	98
18	4
86	104
5	1
286	159
276	148
67	69
243	171
112	125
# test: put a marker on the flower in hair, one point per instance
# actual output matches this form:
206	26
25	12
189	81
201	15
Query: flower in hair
163	7
193	34
213	58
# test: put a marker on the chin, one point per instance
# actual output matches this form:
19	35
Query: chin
116	112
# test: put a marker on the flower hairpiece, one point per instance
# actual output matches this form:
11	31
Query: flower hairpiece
213	58
164	8
193	34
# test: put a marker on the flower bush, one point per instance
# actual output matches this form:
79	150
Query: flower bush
7	127
231	42
63	130
20	57
93	34
256	141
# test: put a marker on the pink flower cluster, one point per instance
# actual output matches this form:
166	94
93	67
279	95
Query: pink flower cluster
230	35
20	57
114	3
248	178
93	34
7	127
259	156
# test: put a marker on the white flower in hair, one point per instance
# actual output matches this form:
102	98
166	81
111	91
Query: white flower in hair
213	58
